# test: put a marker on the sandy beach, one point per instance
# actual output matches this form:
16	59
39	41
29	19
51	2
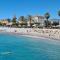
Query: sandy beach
45	33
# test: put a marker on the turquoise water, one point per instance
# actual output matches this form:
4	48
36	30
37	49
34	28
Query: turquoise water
15	47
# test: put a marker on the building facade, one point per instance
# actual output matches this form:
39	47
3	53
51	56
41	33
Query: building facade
40	20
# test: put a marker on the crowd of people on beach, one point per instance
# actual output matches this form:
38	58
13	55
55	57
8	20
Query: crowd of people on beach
46	33
49	33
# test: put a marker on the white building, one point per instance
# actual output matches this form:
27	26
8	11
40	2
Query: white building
39	20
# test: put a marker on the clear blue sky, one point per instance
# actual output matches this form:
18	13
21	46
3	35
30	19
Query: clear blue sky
8	8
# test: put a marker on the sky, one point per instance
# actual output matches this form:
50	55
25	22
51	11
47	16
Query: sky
9	8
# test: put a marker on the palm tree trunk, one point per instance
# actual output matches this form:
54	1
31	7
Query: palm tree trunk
47	23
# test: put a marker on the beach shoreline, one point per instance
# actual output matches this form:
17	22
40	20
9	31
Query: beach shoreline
44	33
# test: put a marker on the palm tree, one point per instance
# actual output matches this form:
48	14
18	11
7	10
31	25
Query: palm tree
59	12
22	21
14	21
0	24
9	20
22	18
30	19
47	15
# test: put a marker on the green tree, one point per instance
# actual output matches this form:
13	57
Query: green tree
47	15
0	24
30	20
22	18
9	20
59	13
14	21
55	23
22	21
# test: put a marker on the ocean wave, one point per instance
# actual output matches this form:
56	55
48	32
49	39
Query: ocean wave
6	53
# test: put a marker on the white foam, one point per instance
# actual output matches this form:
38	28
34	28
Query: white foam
6	53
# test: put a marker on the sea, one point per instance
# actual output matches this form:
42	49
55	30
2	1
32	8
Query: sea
18	47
